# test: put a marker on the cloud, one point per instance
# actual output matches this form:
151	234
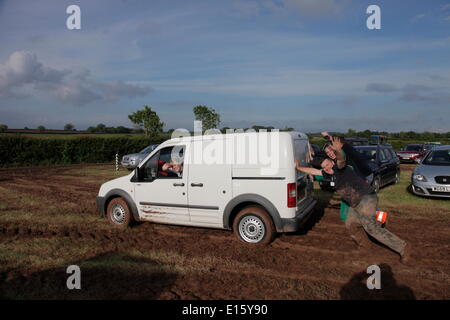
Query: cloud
305	8
415	121
246	8
436	77
22	69
414	92
316	7
380	87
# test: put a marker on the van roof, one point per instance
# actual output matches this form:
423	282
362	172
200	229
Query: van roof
292	134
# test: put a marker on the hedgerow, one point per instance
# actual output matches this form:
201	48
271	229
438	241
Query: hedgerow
26	151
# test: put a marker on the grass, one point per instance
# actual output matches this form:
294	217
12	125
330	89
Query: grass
395	197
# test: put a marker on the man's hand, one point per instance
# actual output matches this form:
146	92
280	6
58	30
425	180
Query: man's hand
336	143
326	135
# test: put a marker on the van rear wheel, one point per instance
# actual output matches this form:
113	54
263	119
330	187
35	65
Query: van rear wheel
254	225
118	212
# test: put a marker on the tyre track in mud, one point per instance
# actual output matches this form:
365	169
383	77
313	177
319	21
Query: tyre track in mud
289	254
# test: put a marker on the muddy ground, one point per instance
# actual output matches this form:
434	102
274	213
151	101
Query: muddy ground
48	221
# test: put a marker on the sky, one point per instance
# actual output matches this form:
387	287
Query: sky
308	64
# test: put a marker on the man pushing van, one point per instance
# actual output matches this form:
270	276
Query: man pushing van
359	195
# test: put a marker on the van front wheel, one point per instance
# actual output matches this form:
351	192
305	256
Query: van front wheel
254	225
118	212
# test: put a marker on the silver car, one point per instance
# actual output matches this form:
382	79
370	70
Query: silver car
131	161
432	177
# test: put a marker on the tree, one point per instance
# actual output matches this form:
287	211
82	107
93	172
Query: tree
69	127
100	128
209	117
41	128
286	128
148	120
351	133
3	127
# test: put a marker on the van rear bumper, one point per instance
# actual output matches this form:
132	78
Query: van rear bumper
293	224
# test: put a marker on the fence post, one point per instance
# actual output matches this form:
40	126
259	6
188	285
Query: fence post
117	161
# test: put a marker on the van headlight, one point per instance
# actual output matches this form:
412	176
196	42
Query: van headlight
420	177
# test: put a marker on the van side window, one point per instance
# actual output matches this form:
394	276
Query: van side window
167	163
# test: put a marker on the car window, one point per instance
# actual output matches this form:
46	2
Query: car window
167	163
148	149
387	154
438	158
369	154
413	147
382	155
394	155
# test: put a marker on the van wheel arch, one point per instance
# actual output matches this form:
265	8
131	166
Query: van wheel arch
116	193
242	201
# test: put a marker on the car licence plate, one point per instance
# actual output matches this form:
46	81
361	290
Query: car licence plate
441	189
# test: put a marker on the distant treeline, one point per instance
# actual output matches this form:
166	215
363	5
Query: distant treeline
403	135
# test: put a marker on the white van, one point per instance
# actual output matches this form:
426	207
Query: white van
246	182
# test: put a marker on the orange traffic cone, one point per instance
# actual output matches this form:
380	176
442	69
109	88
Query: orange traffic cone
381	216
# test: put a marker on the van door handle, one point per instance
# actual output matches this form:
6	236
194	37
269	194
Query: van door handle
178	184
196	184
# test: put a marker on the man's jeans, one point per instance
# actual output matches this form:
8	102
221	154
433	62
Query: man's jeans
364	215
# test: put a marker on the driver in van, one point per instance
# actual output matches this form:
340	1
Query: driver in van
170	169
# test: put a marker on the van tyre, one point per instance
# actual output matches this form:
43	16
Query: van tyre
118	213
253	225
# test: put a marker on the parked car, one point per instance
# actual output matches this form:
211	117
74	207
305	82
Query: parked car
427	146
131	161
411	152
432	177
384	163
356	141
382	160
235	194
377	139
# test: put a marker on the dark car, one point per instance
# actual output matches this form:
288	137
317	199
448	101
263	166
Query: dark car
382	160
356	141
384	163
411	153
